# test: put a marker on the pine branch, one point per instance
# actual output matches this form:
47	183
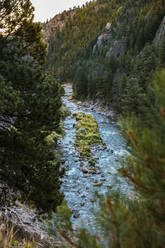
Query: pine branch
139	184
162	112
154	166
110	208
67	238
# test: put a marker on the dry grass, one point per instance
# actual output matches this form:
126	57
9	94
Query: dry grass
8	238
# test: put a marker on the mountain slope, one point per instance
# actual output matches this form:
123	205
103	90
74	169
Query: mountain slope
80	32
111	50
57	22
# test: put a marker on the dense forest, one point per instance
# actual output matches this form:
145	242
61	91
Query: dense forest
111	50
30	102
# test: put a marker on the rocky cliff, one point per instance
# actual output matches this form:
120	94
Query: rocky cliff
57	22
160	33
107	46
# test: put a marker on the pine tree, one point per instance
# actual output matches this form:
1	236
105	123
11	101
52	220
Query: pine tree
30	109
80	79
162	51
131	94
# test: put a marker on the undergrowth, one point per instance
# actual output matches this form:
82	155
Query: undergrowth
87	134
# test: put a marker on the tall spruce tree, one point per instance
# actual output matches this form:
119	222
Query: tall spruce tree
30	104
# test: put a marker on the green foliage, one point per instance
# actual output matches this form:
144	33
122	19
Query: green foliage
136	219
162	51
60	223
75	41
65	111
87	133
76	56
30	114
131	94
81	81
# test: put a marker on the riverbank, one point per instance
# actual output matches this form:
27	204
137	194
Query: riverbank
97	106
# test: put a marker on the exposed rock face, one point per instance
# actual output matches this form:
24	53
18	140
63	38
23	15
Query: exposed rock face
26	225
24	220
160	33
108	26
117	49
57	22
103	37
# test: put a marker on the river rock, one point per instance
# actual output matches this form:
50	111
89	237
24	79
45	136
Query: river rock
85	170
93	172
74	227
102	179
66	166
81	164
109	186
63	161
83	196
98	184
96	166
76	214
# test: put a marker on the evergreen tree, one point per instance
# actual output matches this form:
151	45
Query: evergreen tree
77	43
131	94
162	51
30	108
81	83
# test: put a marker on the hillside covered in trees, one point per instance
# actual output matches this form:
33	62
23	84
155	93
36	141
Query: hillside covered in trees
30	102
111	50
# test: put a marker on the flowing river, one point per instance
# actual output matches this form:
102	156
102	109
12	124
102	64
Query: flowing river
79	187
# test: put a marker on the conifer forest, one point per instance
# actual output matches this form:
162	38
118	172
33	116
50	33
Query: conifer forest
82	126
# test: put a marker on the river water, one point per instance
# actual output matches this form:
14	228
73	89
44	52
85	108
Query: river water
79	187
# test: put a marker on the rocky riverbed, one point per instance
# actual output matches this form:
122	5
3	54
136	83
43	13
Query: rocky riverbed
80	182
